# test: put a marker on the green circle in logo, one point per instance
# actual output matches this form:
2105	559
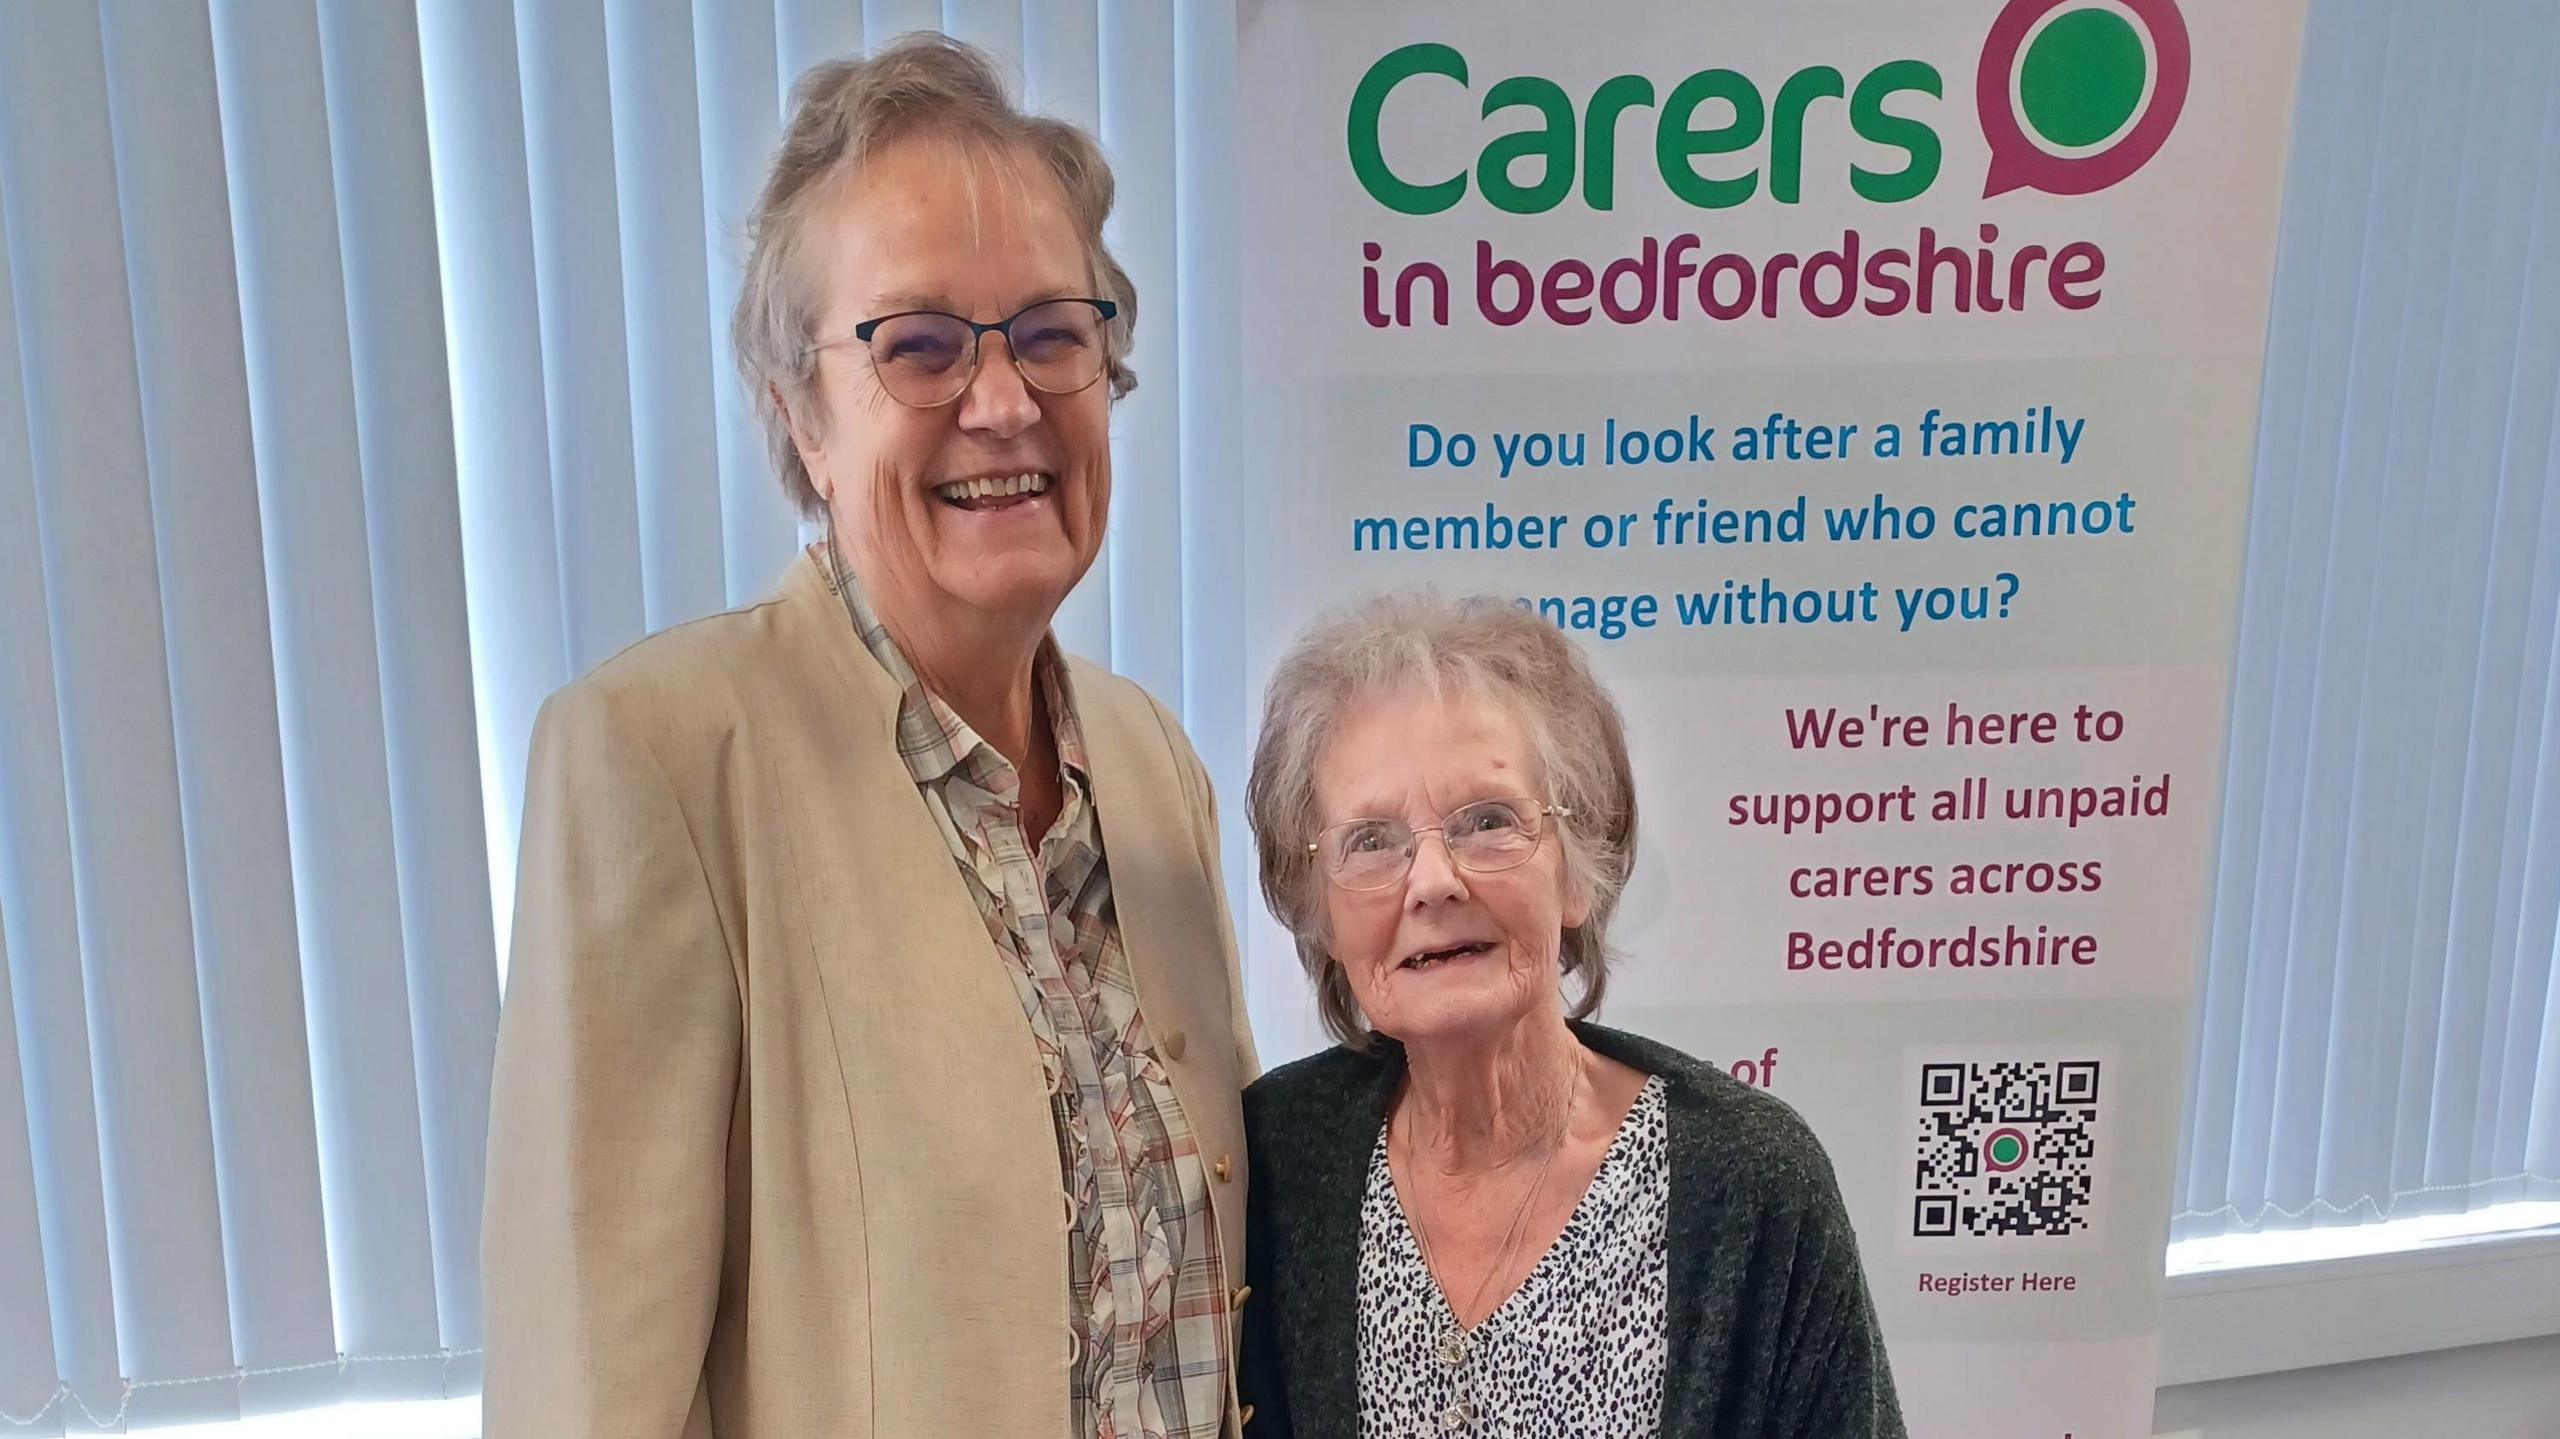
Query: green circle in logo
2004	1150
2082	78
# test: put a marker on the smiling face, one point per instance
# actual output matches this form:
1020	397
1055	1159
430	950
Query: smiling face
1447	954
984	511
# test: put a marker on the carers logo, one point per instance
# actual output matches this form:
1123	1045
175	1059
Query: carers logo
2075	95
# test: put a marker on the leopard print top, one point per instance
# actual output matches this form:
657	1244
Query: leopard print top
1578	1350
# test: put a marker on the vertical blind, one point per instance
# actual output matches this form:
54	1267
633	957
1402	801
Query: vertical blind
2379	1034
370	381
251	976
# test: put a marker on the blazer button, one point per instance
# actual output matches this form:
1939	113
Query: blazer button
1236	1300
1173	1044
1244	1416
1226	1172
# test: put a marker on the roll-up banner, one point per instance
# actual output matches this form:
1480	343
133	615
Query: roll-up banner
1870	389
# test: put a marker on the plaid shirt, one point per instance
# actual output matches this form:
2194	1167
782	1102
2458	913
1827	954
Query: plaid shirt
1146	1296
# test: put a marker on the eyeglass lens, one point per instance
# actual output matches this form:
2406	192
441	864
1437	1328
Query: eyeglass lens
928	358
1488	835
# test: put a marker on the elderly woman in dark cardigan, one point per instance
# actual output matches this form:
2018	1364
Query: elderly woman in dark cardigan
1480	1214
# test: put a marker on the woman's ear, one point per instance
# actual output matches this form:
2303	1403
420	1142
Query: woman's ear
806	441
1577	900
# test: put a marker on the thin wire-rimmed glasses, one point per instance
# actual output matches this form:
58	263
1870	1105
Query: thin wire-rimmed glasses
1485	837
925	358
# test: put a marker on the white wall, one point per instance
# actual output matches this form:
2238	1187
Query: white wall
2494	1391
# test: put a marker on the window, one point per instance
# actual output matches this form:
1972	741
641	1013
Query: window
2379	1035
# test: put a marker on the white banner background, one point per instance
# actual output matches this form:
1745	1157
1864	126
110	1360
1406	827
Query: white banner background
2139	340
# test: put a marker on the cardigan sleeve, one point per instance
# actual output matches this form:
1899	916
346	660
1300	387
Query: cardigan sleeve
617	1073
1832	1379
1260	1375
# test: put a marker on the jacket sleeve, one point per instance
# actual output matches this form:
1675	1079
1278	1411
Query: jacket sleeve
617	1073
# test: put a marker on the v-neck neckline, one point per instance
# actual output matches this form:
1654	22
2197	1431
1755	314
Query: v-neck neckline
1572	1221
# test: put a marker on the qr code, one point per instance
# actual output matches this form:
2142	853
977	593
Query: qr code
2005	1147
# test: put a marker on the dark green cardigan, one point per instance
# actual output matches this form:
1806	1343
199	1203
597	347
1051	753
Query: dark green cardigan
1772	1333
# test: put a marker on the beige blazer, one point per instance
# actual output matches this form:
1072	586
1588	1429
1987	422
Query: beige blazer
770	1150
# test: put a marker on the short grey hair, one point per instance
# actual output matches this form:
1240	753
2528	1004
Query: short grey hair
1481	647
842	113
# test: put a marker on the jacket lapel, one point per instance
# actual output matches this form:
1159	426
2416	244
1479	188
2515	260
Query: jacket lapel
942	1079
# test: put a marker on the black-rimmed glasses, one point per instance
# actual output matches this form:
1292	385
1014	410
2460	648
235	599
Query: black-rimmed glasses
925	358
1485	837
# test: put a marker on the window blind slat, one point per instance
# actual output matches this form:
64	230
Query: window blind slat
404	429
93	509
2413	974
734	71
2262	802
2490	626
484	240
275	129
577	252
2354	1086
2530	887
28	1372
2458	532
2540	1147
38	921
212	561
995	26
885	20
806	32
657	156
1136	52
2299	884
1209	241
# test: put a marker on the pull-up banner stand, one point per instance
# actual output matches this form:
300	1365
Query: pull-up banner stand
1871	390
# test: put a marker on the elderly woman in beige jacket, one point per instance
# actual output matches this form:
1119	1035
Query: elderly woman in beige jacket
873	1042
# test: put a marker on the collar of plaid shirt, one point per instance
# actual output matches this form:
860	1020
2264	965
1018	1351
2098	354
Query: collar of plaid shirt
932	737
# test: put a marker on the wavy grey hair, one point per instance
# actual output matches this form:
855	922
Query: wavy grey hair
842	113
1419	642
